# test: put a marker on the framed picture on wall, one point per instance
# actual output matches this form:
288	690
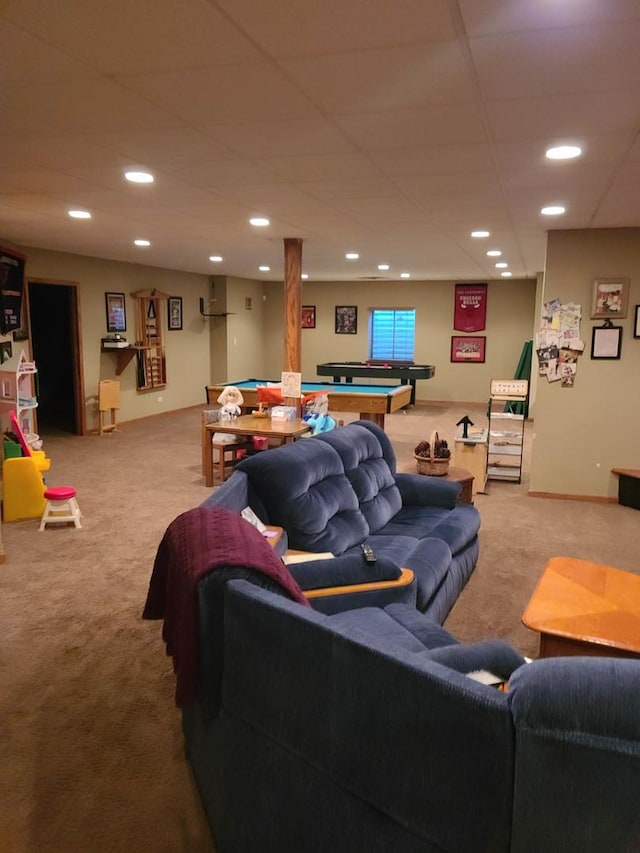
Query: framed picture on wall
174	313
468	349
116	312
346	319
610	298
308	319
606	341
636	325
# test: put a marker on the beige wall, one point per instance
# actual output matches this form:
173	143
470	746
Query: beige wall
510	313
187	351
583	431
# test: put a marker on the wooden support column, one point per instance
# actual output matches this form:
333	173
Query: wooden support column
292	308
292	303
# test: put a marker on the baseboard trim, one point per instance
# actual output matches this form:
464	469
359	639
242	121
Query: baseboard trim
562	497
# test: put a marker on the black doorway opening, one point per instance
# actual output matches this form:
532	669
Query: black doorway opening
53	322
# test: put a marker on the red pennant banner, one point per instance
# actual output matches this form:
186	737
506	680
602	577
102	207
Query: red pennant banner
470	309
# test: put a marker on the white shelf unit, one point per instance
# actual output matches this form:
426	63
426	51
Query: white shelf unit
17	392
506	429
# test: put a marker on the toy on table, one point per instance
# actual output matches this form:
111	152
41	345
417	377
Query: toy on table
317	412
260	412
230	400
319	422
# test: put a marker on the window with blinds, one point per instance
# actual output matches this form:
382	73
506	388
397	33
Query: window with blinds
392	334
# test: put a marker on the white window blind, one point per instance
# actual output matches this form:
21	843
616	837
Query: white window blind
392	333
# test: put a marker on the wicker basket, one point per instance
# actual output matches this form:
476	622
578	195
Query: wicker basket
430	466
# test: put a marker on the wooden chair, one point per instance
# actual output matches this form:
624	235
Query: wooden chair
108	401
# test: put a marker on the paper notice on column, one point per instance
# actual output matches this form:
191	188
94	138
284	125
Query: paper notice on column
291	384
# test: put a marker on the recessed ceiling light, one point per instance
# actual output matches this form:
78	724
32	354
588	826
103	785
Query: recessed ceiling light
142	242
304	275
260	221
553	210
563	152
383	266
480	233
216	259
79	214
264	269
501	265
405	275
494	253
506	274
352	256
137	177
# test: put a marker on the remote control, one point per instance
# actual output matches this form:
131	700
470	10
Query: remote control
368	554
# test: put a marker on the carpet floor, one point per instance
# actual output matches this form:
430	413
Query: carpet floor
92	756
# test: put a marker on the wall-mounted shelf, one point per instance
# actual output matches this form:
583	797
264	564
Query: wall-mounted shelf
123	356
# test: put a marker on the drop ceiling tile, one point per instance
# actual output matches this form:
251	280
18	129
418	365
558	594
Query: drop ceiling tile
322	167
393	79
371	187
282	138
398	129
564	115
451	184
77	106
550	62
120	37
334	26
485	17
211	96
551	177
174	145
40	181
27	59
431	159
49	151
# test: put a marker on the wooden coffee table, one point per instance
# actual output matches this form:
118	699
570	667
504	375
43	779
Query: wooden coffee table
583	608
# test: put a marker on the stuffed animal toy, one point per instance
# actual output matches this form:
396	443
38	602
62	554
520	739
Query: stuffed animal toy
319	422
230	399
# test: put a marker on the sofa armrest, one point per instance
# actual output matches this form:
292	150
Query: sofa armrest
343	571
416	489
347	583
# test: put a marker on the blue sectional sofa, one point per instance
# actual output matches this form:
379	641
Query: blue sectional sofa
363	731
338	490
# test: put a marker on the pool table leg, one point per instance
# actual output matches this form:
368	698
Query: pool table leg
375	417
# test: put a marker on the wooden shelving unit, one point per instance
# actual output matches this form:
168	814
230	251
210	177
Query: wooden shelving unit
507	400
151	366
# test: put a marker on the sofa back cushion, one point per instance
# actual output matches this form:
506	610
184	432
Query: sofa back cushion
304	489
369	472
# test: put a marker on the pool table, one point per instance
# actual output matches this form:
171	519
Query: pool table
378	370
371	402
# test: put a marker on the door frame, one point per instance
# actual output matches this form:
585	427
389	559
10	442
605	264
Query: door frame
80	415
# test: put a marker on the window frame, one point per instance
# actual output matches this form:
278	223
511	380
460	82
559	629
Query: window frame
393	355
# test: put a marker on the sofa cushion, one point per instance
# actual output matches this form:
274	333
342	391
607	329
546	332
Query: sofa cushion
429	559
305	490
430	633
374	622
457	527
368	471
496	656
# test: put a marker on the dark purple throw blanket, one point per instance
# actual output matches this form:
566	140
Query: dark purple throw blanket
196	543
